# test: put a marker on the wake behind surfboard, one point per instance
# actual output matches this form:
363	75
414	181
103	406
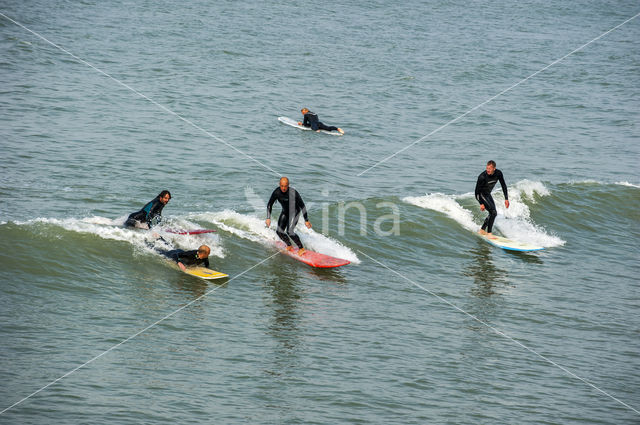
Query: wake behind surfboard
294	123
189	232
311	258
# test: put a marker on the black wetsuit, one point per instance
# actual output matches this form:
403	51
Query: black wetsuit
311	120
484	186
292	207
150	214
188	258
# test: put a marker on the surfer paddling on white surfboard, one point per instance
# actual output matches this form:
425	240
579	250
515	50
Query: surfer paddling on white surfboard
311	120
486	181
292	207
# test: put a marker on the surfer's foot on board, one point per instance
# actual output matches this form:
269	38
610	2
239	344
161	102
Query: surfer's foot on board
301	251
488	235
341	131
289	248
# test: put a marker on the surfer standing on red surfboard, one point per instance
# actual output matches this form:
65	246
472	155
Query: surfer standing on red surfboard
292	207
486	181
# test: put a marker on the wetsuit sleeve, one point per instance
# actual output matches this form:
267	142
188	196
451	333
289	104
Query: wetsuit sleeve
305	122
147	212
301	207
503	185
181	257
478	188
205	262
155	211
270	203
188	258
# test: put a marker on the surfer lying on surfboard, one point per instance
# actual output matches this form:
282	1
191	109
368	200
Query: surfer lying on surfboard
195	257
311	120
292	207
486	181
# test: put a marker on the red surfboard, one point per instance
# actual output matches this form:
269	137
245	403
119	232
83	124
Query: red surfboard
314	259
189	232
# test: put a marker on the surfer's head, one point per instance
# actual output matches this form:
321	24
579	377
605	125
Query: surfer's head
203	252
491	166
304	110
164	196
284	184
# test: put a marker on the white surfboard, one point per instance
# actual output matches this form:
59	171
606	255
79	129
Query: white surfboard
510	245
294	123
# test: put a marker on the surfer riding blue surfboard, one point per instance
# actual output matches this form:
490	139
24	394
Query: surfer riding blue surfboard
485	184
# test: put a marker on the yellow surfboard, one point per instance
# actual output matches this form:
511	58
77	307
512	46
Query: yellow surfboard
205	273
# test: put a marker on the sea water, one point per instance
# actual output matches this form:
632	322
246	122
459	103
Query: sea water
428	324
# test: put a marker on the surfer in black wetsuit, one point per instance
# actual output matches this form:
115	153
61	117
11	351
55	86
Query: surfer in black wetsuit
292	207
195	257
311	120
150	214
486	181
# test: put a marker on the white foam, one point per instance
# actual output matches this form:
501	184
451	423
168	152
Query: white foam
529	188
587	182
446	204
524	230
625	183
253	228
142	240
514	223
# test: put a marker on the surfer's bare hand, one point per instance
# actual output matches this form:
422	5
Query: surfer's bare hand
506	203
268	222
481	207
182	267
299	122
308	224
